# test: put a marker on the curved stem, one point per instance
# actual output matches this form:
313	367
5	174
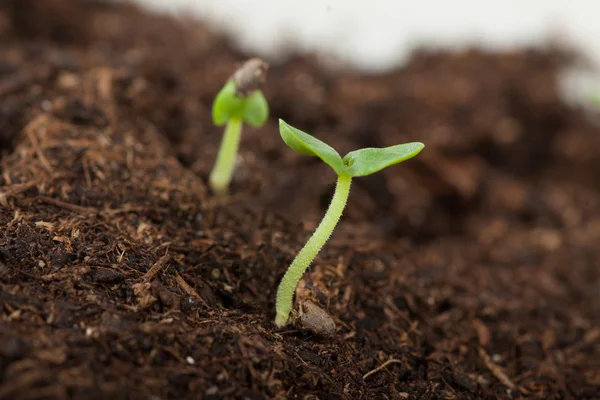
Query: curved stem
220	177
287	287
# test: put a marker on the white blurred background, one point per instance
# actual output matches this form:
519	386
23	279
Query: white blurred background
375	35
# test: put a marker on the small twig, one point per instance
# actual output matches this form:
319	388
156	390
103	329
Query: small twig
187	288
38	150
300	358
496	370
382	366
68	206
157	267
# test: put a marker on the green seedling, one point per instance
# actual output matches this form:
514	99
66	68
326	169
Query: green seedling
239	101
356	163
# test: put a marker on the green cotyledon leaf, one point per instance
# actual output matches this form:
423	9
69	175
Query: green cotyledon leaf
256	109
227	105
370	160
306	144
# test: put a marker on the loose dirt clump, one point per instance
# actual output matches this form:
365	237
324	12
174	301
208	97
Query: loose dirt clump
470	272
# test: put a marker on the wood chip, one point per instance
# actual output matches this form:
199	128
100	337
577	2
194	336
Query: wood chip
157	267
187	288
496	370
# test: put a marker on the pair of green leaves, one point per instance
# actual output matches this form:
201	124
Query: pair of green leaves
356	163
253	110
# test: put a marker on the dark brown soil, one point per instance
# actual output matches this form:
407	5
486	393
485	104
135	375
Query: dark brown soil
470	272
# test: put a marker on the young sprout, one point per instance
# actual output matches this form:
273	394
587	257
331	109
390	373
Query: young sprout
356	163
239	101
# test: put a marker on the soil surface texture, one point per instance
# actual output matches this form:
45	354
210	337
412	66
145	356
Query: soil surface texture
469	272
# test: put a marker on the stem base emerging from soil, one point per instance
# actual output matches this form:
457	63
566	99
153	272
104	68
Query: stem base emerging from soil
220	176
287	287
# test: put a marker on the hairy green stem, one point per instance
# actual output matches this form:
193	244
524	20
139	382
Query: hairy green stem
220	177
287	287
